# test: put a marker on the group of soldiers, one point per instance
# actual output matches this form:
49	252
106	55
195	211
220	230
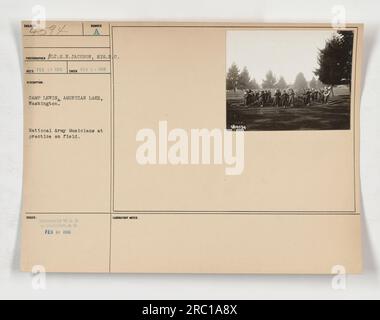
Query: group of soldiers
287	97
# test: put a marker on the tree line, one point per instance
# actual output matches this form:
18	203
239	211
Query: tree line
334	68
242	80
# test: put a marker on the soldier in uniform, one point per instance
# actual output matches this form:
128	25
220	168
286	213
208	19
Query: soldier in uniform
251	97
291	97
284	99
277	98
326	95
269	96
262	98
246	97
307	97
312	96
257	95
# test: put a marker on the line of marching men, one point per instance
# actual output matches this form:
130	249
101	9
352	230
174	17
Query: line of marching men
287	97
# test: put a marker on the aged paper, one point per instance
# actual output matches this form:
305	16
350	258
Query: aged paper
168	148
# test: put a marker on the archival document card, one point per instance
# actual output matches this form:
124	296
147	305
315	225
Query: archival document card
191	147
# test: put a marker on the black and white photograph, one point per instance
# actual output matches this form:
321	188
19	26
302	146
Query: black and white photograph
297	79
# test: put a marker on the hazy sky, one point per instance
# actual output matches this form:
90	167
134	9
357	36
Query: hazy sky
286	53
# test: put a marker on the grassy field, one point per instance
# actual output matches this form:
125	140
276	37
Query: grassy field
332	116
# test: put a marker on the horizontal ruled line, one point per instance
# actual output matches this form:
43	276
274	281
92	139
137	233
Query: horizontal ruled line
29	47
